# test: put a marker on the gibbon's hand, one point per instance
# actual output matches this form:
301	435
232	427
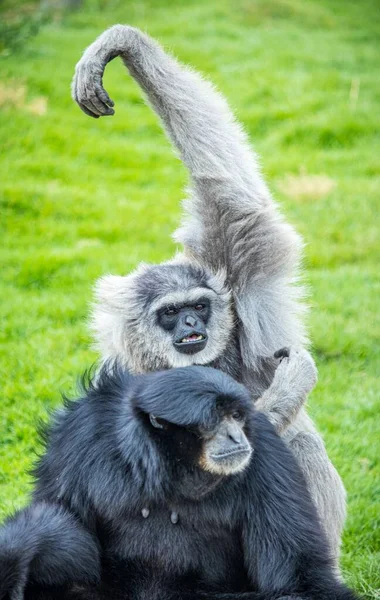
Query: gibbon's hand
87	88
294	378
297	370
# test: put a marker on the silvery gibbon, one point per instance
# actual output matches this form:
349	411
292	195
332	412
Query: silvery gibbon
229	300
166	486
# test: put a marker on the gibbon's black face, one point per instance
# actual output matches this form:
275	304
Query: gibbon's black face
187	324
225	448
221	448
199	417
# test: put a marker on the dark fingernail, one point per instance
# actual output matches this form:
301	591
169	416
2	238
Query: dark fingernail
282	353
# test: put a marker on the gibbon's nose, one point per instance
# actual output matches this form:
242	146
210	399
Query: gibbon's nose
235	433
190	321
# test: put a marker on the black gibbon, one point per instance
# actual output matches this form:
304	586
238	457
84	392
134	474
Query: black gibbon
166	486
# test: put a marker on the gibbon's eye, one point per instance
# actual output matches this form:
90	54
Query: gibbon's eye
200	306
210	426
171	310
237	415
156	422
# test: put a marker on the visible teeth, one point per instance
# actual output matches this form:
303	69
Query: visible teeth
192	338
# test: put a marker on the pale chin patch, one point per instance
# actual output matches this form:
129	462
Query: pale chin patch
228	467
204	357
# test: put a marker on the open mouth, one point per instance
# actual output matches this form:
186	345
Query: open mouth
190	344
194	337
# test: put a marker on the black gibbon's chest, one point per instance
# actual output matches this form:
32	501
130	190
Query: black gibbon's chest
155	548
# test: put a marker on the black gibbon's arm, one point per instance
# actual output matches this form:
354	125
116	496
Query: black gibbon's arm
231	223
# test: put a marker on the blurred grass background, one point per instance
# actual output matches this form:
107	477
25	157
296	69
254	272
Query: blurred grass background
80	198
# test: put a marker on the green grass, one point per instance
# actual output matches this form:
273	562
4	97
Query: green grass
80	198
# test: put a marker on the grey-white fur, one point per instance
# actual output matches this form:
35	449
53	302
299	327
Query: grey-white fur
125	325
237	246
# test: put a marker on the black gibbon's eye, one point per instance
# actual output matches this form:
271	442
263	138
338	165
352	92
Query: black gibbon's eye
237	415
200	306
156	422
171	310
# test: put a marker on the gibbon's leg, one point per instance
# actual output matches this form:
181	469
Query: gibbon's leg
232	224
45	544
283	403
324	484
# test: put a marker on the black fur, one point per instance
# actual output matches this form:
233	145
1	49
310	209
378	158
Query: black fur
253	535
46	546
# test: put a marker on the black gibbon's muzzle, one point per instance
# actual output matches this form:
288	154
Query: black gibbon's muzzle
191	343
242	449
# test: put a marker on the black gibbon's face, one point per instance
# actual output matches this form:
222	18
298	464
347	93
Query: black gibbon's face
221	448
187	324
226	449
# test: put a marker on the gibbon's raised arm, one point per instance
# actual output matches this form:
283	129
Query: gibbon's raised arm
231	223
198	120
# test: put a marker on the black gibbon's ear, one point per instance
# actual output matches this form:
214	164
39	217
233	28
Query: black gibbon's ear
157	422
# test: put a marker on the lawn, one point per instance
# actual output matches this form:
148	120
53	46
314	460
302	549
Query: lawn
81	197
